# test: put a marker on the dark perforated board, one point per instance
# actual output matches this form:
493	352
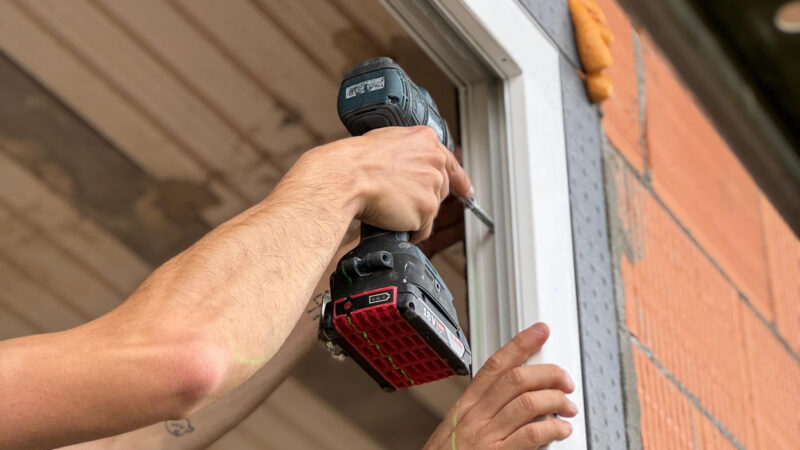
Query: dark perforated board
596	305
553	16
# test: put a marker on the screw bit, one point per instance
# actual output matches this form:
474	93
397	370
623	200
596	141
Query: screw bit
473	206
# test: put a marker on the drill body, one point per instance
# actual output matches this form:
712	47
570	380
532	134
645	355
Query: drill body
378	93
390	311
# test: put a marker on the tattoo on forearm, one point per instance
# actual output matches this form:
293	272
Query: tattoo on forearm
316	308
178	428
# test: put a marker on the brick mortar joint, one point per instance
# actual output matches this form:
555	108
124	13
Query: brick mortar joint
767	260
766	323
684	391
641	95
630	394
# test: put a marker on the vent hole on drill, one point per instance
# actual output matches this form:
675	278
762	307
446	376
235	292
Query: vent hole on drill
411	306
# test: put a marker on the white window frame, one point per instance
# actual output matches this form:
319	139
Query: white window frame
508	75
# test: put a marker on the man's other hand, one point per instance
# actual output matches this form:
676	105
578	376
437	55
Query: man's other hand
509	406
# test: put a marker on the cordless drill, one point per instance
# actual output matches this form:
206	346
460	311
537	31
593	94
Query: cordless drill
389	309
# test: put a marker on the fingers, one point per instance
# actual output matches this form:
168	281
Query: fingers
441	188
429	216
513	354
529	406
537	434
430	206
444	189
459	180
420	166
423	233
519	380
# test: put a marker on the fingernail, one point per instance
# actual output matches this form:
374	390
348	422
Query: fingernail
471	191
570	382
538	328
573	407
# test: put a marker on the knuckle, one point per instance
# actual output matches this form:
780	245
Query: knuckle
516	376
431	203
419	223
430	134
528	401
442	159
562	399
426	131
427	210
438	180
419	128
495	363
519	341
432	209
562	404
533	434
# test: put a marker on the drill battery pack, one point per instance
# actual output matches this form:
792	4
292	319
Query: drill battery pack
391	313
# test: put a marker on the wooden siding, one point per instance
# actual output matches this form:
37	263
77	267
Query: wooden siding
130	129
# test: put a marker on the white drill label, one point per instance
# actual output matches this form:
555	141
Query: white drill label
373	84
428	315
449	336
379	298
455	343
436	127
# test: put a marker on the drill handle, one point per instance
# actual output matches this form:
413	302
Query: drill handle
368	232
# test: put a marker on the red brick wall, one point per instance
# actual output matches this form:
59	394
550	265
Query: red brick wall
709	273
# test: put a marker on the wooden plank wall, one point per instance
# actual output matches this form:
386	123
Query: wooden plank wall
129	129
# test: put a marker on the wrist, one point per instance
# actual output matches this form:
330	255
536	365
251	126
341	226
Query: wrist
331	174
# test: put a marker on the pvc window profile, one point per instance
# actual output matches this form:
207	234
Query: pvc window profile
508	76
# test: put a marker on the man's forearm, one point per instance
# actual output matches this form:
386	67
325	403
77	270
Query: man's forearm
198	327
208	319
244	285
211	422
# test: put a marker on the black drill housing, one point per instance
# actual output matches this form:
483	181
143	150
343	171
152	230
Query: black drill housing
378	93
386	259
390	311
